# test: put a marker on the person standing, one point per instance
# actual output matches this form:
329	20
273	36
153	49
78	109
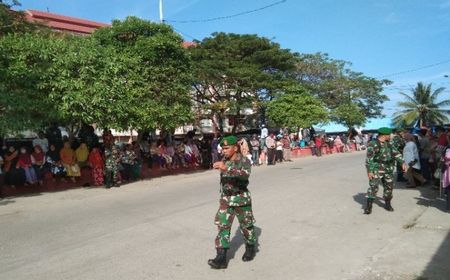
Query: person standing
380	168
112	161
286	147
254	143
271	145
41	141
412	161
235	200
424	153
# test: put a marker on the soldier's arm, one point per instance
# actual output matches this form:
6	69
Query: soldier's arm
370	158
238	171
397	155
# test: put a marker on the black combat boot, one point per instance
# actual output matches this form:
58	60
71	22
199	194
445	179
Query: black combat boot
388	205
368	209
220	262
250	252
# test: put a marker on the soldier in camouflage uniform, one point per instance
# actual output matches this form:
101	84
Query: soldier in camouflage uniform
380	164
112	160
398	142
235	200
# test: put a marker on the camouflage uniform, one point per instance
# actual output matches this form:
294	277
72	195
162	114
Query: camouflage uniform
380	161
112	159
235	201
399	143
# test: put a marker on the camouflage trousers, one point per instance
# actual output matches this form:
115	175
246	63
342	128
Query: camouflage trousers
224	219
384	179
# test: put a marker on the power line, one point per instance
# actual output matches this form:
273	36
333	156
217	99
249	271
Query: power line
230	16
185	34
415	69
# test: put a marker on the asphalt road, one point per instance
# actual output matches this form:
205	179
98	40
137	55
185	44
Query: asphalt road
309	221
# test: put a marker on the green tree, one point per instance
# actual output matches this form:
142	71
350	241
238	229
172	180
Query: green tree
335	83
15	21
422	105
24	61
151	74
234	72
296	108
349	114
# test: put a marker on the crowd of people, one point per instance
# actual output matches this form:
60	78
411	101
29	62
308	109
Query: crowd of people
111	164
426	153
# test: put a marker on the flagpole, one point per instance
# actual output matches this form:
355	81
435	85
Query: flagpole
161	17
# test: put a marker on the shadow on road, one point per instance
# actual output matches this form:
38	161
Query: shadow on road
238	241
438	267
361	198
5	202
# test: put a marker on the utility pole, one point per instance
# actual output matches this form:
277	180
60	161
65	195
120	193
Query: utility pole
161	17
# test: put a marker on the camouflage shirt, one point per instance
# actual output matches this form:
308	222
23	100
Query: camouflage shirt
112	159
234	181
381	157
398	142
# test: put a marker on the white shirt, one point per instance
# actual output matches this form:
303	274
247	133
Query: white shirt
410	153
264	132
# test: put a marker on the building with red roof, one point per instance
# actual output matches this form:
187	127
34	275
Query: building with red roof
64	23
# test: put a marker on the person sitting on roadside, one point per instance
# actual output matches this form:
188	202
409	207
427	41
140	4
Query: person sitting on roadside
131	166
38	159
25	163
82	155
166	158
68	159
14	176
53	163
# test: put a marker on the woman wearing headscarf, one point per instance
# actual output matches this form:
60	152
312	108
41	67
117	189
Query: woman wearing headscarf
25	163
13	175
68	159
38	159
82	154
97	164
53	162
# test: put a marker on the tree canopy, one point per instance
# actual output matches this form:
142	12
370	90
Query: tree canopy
335	83
233	72
134	74
422	105
296	108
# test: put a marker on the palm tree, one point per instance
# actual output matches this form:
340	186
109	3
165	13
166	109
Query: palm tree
422	106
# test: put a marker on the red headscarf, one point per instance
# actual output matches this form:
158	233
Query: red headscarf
40	155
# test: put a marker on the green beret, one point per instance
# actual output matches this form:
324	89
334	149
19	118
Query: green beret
228	141
384	131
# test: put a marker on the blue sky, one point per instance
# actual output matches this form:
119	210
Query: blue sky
378	37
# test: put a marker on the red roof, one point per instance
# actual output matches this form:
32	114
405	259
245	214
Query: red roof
71	24
188	44
64	23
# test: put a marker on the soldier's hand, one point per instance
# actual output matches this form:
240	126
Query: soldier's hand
370	175
220	165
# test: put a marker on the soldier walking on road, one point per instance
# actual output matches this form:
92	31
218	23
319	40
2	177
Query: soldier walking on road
380	164
235	200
